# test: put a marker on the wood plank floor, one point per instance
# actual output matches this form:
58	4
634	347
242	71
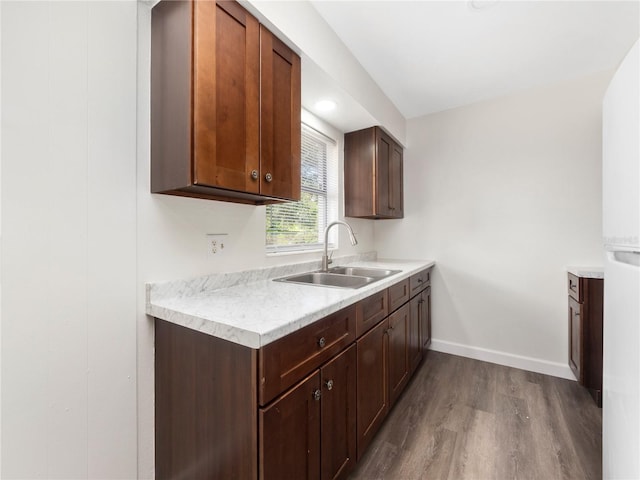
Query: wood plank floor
465	419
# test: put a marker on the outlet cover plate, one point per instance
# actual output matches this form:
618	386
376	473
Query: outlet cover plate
217	244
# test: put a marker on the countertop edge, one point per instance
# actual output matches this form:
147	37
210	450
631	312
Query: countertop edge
587	272
179	311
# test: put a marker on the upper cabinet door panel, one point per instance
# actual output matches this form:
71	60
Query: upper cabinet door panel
226	96
280	118
382	185
359	173
396	195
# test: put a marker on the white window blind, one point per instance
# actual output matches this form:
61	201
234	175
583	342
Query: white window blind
300	225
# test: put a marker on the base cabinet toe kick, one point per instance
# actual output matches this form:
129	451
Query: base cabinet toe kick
305	406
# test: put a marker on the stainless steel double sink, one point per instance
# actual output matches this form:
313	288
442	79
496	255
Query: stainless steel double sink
340	277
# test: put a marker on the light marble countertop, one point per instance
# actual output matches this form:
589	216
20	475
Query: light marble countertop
587	272
250	309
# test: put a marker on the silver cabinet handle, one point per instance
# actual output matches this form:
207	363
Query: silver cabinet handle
316	394
329	384
254	174
322	342
268	177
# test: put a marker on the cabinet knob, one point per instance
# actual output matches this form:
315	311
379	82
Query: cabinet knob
329	384
322	342
316	394
254	174
420	280
268	177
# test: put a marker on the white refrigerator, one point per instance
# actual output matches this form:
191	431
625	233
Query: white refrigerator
621	236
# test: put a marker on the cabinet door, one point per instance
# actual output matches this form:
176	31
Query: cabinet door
290	433
226	96
425	319
382	194
372	393
415	343
396	196
279	118
338	415
398	352
575	339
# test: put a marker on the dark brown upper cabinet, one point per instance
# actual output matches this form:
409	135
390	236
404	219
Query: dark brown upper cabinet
372	175
225	105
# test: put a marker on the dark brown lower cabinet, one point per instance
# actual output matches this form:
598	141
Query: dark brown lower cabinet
310	431
338	416
415	343
305	406
425	318
373	394
205	406
398	364
585	332
290	433
575	338
419	327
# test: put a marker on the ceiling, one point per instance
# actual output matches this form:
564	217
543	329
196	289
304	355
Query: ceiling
429	56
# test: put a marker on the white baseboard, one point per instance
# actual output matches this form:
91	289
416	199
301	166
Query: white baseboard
507	359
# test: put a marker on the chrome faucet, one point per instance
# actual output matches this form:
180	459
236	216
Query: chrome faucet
325	258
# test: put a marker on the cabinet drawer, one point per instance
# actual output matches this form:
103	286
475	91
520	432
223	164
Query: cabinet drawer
370	311
574	287
419	281
398	295
285	361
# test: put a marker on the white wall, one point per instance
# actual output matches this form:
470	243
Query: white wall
0	241
68	254
504	194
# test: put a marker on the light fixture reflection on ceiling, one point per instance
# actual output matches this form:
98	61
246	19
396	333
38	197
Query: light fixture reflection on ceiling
325	105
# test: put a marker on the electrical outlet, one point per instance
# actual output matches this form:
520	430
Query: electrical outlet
217	244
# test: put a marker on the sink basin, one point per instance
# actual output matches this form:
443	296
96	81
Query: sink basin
376	273
340	277
329	280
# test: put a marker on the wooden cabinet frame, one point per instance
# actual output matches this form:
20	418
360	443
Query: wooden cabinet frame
225	105
373	175
305	406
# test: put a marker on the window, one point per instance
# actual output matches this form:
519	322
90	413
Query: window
299	226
